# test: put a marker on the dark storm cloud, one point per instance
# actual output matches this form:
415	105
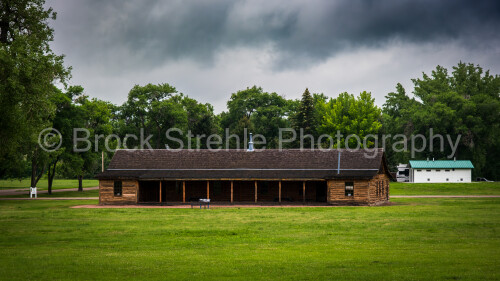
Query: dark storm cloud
299	32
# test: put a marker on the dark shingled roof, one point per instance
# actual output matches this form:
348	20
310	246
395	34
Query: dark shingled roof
241	164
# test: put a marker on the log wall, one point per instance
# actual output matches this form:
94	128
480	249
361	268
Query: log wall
366	192
129	193
336	192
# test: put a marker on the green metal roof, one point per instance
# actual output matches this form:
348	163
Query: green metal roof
441	164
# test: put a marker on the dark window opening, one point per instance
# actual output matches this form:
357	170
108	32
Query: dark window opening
117	190
217	188
349	189
264	187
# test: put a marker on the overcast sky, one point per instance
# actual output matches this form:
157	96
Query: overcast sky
210	49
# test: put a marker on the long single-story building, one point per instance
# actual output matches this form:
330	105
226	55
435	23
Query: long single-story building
431	171
163	176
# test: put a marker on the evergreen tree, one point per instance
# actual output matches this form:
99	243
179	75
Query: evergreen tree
305	118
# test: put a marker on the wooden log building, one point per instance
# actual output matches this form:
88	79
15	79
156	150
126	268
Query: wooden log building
161	176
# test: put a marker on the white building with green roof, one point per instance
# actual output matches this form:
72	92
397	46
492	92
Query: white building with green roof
433	171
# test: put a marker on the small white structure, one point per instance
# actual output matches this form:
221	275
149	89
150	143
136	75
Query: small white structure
440	171
33	192
403	173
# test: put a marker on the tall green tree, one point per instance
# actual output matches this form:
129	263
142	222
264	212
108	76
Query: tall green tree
67	117
257	111
28	71
349	115
465	102
305	118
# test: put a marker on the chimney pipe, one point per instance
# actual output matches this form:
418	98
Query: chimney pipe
338	163
250	143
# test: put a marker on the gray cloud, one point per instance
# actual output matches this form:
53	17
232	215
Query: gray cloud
209	49
158	31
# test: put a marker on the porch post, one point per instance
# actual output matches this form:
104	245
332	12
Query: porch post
304	191
279	191
231	191
255	191
183	191
160	191
208	189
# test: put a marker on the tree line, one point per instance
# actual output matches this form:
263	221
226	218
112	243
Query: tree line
463	102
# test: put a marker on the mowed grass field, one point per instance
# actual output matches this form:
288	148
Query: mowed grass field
472	188
415	239
42	184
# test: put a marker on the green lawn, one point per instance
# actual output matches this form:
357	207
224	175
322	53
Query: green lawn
42	184
416	239
473	188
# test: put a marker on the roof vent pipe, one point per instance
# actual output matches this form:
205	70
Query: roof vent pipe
338	163
454	158
250	143
432	159
427	159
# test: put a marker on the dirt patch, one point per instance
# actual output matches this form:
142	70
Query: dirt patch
197	207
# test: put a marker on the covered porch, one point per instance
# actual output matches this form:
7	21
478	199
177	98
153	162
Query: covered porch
232	191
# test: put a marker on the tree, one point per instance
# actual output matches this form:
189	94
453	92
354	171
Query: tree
257	111
28	70
465	102
153	109
350	115
305	117
68	116
200	118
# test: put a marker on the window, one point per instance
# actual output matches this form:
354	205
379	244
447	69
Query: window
419	170
427	170
438	170
461	179
453	169
428	179
349	189
447	179
117	190
446	170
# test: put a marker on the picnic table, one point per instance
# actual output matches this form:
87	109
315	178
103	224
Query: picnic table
202	202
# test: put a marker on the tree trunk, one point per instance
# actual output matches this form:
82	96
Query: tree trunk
36	173
80	184
51	173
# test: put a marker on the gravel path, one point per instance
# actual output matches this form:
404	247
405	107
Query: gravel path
25	191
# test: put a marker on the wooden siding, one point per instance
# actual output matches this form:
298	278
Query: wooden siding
366	192
129	192
336	192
